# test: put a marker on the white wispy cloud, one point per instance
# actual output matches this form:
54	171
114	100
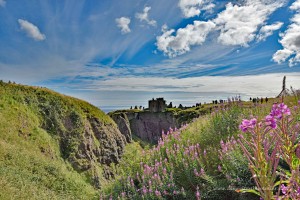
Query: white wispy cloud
180	42
96	70
267	31
31	30
238	24
123	24
166	69
230	84
138	90
290	40
191	8
144	16
2	3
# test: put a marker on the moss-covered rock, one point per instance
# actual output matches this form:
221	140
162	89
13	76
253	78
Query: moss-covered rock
123	124
77	133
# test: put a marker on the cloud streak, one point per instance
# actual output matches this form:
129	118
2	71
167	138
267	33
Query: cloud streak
137	90
231	84
31	30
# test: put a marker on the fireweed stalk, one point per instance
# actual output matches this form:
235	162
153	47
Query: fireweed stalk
288	133
268	141
262	155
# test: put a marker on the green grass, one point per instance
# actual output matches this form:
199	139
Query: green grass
34	122
28	174
207	131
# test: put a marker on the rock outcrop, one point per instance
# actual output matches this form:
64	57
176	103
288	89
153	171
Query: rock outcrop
146	125
123	125
86	137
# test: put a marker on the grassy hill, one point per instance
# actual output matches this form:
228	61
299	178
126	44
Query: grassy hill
57	147
53	146
208	159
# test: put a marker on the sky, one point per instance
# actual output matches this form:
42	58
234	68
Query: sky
117	54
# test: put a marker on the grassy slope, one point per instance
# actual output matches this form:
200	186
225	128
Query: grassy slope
31	163
207	131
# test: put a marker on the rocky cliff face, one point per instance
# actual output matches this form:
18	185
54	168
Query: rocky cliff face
87	138
99	143
146	125
124	125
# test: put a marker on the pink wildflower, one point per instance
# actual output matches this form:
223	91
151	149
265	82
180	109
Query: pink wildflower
157	193
164	171
270	121
298	151
284	189
219	168
197	194
247	125
196	173
123	194
278	110
202	171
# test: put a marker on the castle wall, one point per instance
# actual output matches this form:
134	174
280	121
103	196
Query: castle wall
158	105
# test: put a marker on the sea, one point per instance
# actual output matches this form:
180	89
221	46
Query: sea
108	109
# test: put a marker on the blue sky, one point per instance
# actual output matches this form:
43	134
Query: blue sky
122	53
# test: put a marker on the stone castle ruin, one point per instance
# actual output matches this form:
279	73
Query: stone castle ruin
157	105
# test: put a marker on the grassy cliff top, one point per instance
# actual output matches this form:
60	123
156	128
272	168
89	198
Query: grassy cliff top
32	95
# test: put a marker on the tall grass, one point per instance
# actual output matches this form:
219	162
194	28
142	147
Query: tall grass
196	161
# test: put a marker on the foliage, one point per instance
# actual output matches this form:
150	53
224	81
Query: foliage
211	158
172	170
184	161
39	130
201	160
268	142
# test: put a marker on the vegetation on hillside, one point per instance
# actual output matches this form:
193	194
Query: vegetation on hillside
182	115
208	158
239	150
42	145
188	114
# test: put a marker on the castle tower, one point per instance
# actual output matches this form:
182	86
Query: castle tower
157	105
